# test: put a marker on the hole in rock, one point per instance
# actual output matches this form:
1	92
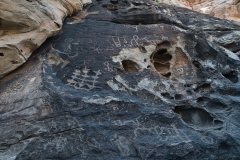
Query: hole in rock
162	68
142	49
130	66
196	64
114	1
167	75
52	60
218	122
14	61
195	116
187	85
162	51
203	87
1	54
166	95
232	76
162	56
177	96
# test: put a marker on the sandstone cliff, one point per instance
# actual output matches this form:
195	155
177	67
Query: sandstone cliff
228	9
26	24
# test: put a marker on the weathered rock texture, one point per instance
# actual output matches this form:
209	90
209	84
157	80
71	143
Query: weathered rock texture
26	24
228	9
133	80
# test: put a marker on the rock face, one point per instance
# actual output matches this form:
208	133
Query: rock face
228	9
26	24
133	80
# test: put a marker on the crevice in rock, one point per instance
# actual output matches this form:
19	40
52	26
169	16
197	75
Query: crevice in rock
167	95
130	66
196	64
234	47
1	54
203	87
232	76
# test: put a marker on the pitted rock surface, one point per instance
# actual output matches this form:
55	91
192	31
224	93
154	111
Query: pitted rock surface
131	80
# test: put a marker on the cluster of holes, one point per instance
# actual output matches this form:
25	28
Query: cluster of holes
232	76
161	59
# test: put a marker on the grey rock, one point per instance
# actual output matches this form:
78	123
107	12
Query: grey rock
133	80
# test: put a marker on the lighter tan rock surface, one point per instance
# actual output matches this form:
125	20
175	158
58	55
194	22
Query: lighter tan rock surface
228	9
26	24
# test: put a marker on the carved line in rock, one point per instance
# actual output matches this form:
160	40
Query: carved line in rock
163	133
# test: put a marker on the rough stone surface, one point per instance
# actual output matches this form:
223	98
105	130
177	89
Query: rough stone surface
26	24
228	9
127	80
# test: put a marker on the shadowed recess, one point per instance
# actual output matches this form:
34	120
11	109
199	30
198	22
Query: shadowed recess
232	76
196	64
130	66
203	87
195	116
160	59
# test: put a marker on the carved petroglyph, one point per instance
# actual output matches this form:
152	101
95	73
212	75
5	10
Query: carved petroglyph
133	42
207	140
108	67
123	144
164	134
116	41
132	26
68	48
82	79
